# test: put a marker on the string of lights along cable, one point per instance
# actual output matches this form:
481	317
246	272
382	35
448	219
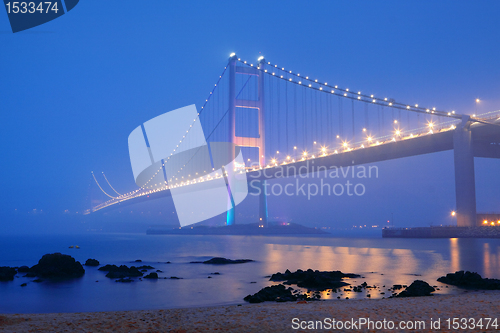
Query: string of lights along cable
304	119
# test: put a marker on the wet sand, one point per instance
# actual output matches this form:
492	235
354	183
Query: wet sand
271	317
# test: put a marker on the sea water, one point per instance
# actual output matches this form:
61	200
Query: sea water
380	262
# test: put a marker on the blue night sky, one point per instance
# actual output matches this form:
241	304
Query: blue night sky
72	90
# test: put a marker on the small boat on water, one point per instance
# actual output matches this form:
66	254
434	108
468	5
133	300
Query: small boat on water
71	247
76	246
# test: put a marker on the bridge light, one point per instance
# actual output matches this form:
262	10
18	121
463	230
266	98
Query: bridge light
449	113
323	149
373	101
315	80
369	139
345	95
427	110
300	82
395	121
385	99
477	100
314	142
371	96
364	129
408	107
453	213
326	83
359	92
294	147
434	109
453	112
260	58
344	143
232	55
273	161
416	105
359	97
347	89
288	157
390	104
304	153
398	132
338	136
430	124
333	91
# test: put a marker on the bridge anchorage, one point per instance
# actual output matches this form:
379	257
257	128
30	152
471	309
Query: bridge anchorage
279	118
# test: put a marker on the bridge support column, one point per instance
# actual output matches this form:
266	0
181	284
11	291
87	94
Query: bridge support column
247	105
465	184
263	203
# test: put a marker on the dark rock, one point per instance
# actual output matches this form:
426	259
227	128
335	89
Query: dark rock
273	293
397	287
7	273
222	261
151	276
470	280
37	280
57	265
159	271
215	273
209	277
315	280
417	288
92	262
175	278
23	269
124	280
168	262
24	285
253	282
145	267
138	260
115	272
30	275
144	270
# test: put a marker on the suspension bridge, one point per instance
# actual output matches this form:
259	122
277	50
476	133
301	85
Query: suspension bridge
283	120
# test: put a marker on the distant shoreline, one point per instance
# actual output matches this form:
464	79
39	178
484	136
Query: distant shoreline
266	317
252	229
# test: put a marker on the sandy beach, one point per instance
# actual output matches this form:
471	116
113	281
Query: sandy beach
277	317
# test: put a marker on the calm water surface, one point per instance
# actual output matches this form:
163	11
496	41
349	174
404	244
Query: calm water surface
379	261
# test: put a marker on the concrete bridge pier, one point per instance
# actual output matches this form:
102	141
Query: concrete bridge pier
465	184
262	203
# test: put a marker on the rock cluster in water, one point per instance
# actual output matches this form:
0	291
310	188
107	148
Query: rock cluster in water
57	265
315	280
92	262
120	272
470	280
277	293
222	261
7	273
417	288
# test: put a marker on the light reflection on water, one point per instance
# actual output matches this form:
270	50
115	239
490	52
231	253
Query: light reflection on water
379	261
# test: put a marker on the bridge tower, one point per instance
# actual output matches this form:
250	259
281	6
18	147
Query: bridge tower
465	184
259	141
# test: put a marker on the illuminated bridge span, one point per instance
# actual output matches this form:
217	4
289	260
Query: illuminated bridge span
281	118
